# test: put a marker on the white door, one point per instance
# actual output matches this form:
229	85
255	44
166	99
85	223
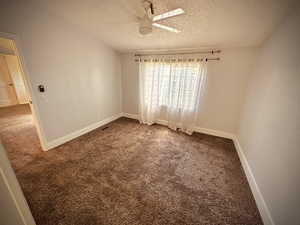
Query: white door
7	91
17	78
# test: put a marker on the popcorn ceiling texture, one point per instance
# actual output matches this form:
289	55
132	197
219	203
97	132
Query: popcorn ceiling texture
207	23
129	174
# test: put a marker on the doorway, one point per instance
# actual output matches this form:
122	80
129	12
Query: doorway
18	126
12	85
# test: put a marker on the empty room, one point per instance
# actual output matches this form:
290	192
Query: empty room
149	112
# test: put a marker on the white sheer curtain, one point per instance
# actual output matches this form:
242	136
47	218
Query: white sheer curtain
171	90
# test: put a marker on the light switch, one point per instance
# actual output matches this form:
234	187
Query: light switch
41	88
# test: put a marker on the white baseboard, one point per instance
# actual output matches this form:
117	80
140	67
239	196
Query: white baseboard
131	116
259	199
215	132
71	136
198	129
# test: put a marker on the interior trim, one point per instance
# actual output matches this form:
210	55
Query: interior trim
75	134
8	175
259	199
197	129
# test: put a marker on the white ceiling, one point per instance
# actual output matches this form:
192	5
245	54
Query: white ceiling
207	23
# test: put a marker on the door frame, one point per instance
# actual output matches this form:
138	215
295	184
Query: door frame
16	194
28	86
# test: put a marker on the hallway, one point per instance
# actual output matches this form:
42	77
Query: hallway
18	135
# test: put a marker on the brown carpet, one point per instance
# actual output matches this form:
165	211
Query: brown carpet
129	174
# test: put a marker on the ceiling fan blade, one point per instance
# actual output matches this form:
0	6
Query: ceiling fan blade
171	29
175	12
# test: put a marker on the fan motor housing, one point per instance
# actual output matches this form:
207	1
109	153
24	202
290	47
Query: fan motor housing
145	27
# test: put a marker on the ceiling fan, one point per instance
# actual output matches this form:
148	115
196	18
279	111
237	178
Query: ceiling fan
149	19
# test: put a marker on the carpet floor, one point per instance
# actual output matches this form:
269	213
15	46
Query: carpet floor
129	174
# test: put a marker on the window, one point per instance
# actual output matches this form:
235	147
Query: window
171	84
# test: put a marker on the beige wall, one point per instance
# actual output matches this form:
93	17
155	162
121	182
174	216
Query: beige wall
270	126
130	84
80	73
225	89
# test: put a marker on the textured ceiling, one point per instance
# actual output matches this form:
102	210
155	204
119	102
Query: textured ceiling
207	23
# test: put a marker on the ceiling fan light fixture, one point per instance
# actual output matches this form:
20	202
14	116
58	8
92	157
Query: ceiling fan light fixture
145	27
147	21
145	30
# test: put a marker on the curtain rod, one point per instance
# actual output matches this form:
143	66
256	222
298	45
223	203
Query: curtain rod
180	53
206	59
